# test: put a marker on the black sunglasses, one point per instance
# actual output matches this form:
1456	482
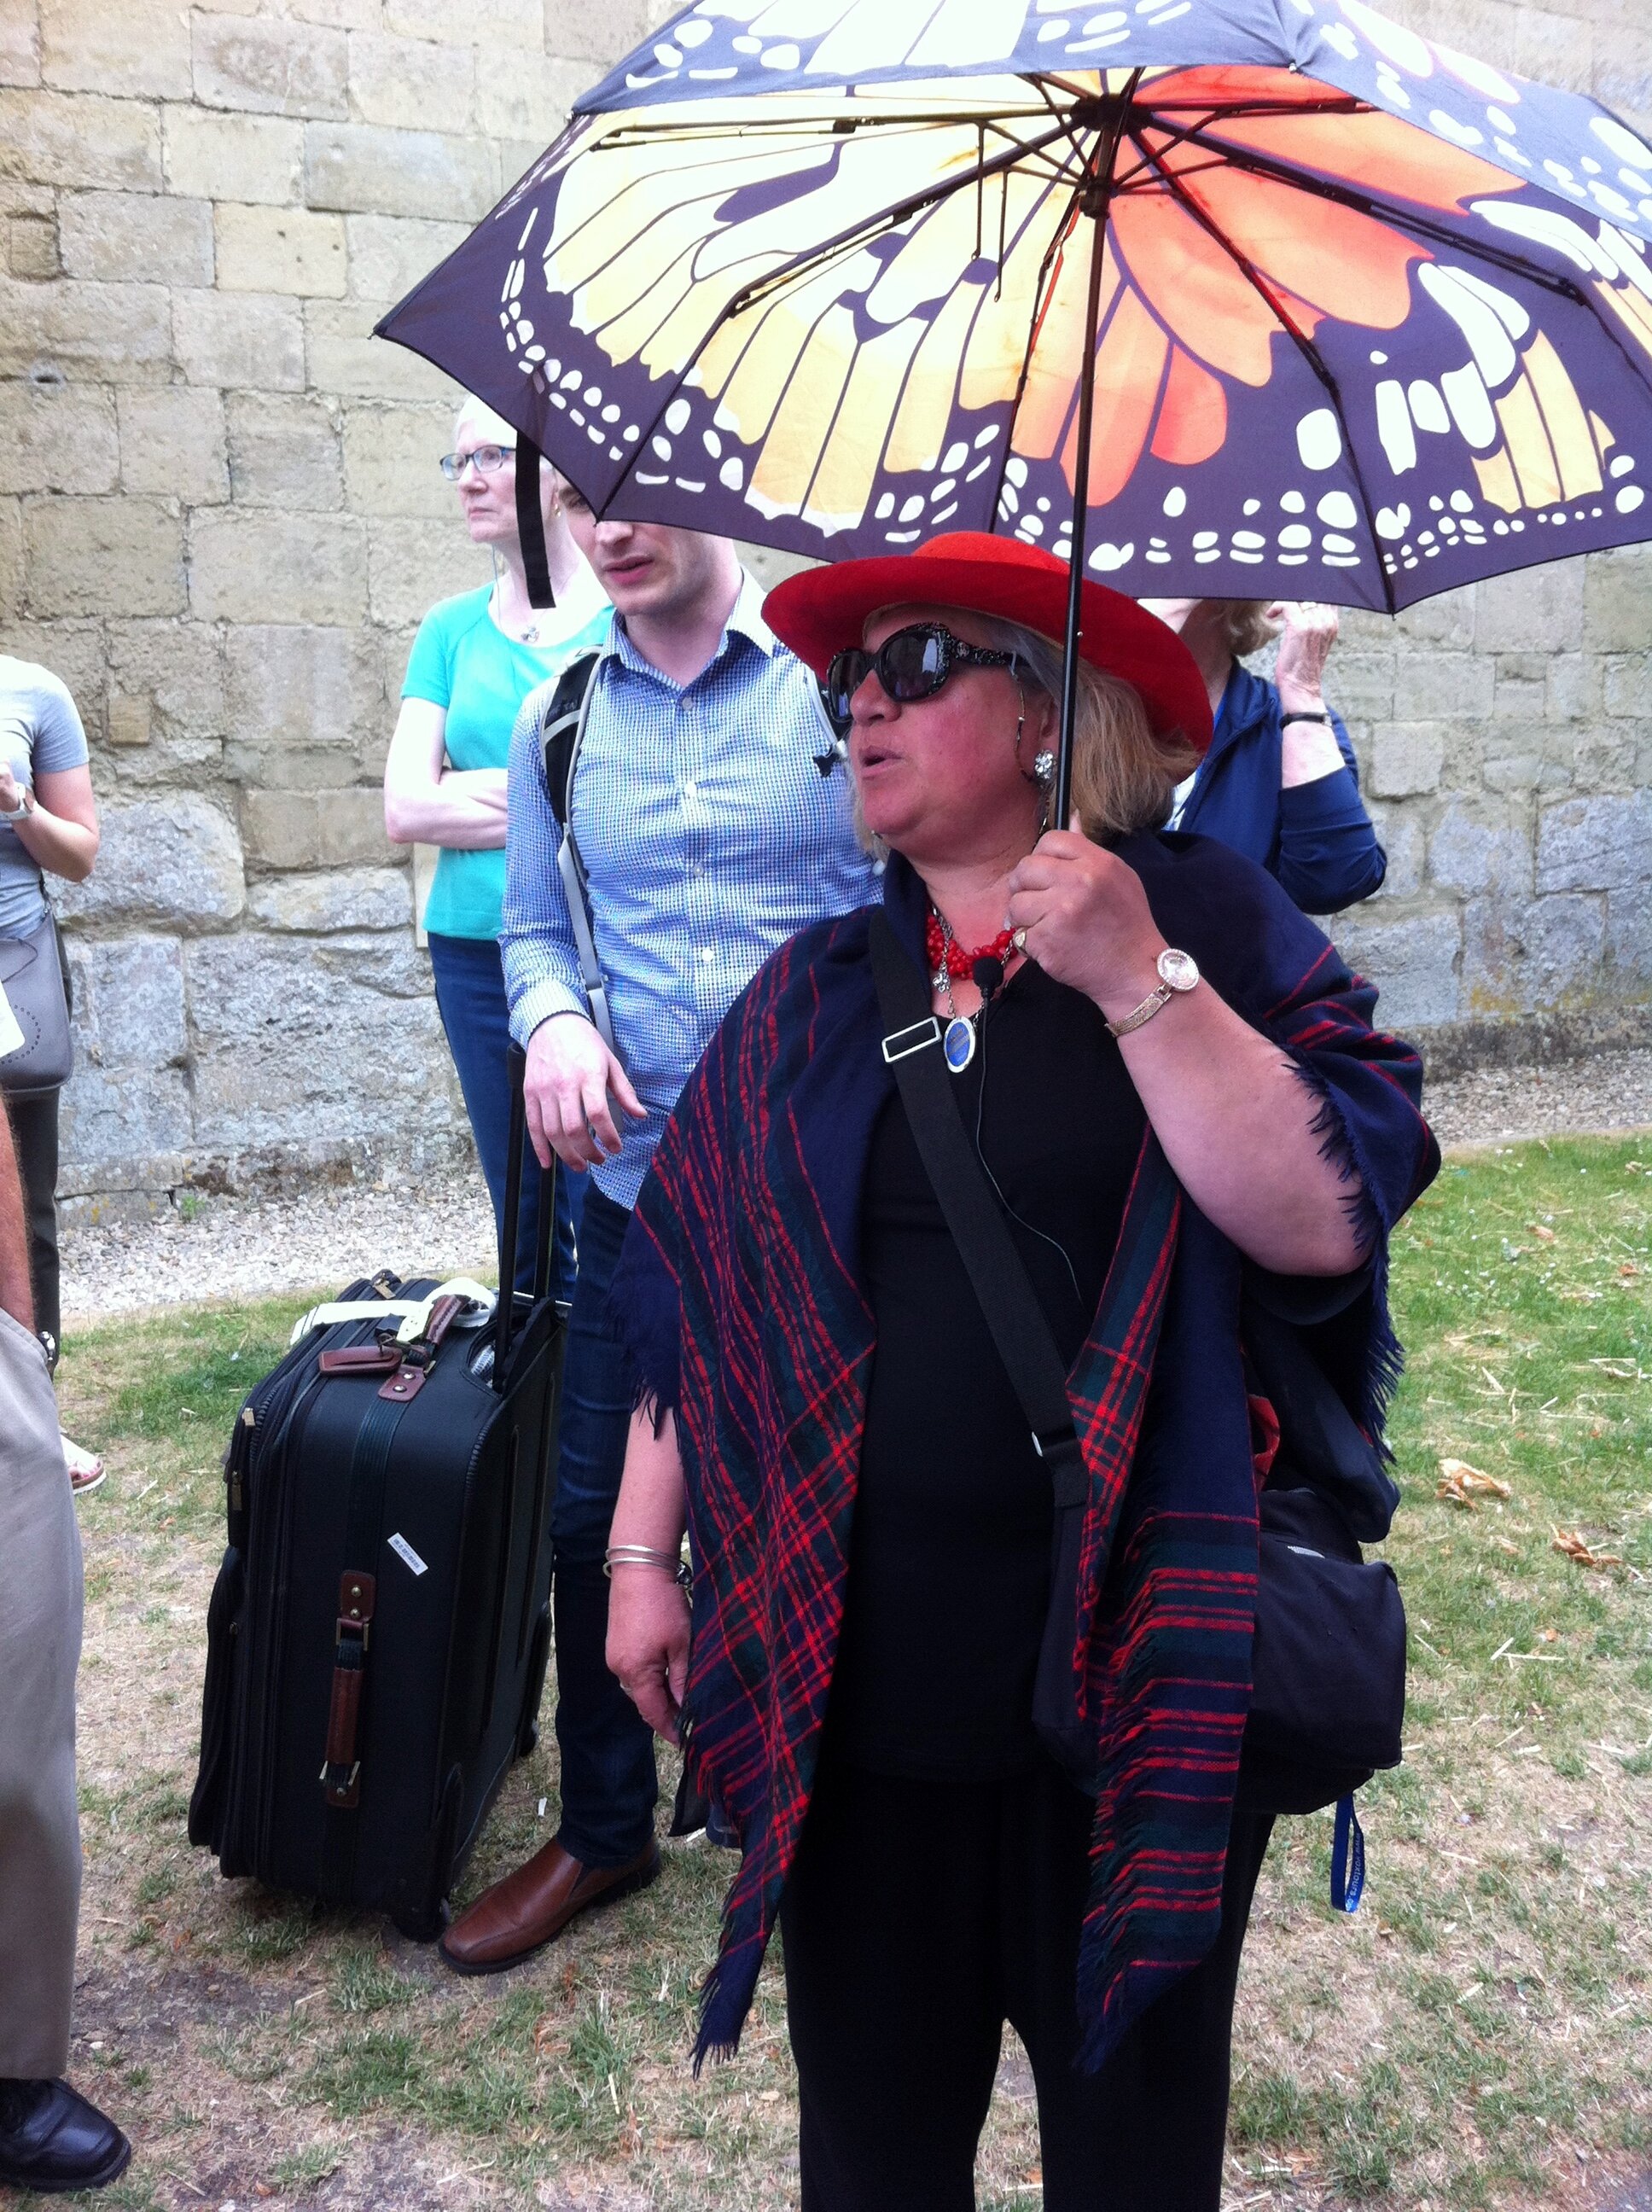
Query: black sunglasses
912	665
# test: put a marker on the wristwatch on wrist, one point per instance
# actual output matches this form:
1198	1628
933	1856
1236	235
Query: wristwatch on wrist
1177	972
24	807
1306	715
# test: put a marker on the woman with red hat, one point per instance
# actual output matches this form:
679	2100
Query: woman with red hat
1166	1075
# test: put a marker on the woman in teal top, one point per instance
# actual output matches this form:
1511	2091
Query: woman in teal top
474	659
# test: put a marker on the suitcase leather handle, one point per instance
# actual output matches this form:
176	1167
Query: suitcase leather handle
341	1775
362	1359
417	1359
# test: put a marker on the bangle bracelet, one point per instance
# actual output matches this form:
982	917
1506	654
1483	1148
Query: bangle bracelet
644	1555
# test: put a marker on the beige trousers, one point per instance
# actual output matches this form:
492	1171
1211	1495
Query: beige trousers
40	1600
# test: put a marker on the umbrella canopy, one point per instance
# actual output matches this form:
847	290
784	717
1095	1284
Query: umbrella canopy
1365	318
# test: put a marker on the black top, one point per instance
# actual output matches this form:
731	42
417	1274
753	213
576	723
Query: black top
949	1560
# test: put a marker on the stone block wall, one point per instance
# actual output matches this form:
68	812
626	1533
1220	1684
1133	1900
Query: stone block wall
220	521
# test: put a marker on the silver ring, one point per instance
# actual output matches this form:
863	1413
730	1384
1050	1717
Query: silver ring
1018	939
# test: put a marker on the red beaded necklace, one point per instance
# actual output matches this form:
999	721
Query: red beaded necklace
946	955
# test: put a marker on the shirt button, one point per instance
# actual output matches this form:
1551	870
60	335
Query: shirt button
707	954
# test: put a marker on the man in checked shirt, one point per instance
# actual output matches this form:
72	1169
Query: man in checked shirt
709	835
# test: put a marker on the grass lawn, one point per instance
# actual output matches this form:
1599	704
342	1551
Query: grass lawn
1480	2034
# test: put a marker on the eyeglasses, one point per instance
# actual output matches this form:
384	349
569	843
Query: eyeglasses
488	460
913	665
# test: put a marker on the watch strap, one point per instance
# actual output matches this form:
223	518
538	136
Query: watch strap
1145	1012
1307	714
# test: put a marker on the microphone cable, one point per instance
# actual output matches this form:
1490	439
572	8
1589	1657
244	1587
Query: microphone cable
987	976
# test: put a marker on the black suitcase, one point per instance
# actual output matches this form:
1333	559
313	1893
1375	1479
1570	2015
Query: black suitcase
378	1636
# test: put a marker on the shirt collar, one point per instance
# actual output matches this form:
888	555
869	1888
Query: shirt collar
745	621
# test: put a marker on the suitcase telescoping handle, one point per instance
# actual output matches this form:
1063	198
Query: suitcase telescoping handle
510	1221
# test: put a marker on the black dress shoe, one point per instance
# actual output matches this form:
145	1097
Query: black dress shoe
52	2140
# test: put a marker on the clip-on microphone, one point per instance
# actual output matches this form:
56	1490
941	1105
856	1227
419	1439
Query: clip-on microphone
987	974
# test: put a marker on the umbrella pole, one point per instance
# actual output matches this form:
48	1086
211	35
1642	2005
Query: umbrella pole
1095	210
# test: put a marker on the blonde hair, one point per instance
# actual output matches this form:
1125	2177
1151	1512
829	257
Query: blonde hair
1123	776
493	430
1249	626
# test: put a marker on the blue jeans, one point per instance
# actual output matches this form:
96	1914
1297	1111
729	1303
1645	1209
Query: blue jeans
608	1785
470	999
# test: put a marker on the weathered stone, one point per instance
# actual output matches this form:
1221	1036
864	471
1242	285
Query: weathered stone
1446	622
259	67
411	83
283	451
1532	610
391	456
11	557
135	237
174	861
129	719
1617	590
74	652
129	1000
1600	844
32	247
122	1130
335	14
1476	855
1626	681
1574	692
1401	833
1521	698
80	140
1406	758
344	898
1412	962
262	249
293	685
1623	71
241	157
1554	49
239	339
269	567
598	35
1435	685
504	27
358	167
531	100
168	763
104	556
329	762
177	666
1629	941
304	1043
308	830
58	439
172	443
1530	955
137	51
389	255
411	565
346	358
85	332
1359	684
20	42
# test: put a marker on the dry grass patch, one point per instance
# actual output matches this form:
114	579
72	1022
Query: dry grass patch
1480	2033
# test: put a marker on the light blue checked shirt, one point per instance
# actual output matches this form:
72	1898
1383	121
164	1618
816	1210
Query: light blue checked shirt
709	836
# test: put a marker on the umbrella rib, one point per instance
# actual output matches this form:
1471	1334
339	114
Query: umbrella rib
874	226
1300	338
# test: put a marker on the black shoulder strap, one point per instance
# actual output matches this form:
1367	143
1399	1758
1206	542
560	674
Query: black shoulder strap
530	524
1025	1340
561	727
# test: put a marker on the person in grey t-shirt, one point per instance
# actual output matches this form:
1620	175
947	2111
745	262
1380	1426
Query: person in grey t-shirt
48	826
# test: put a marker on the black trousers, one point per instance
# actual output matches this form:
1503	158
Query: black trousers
919	1919
34	1125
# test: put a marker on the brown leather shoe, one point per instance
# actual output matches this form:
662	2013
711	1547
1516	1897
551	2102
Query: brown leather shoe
530	1908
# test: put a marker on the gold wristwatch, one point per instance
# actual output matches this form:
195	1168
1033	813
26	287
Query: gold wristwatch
1177	972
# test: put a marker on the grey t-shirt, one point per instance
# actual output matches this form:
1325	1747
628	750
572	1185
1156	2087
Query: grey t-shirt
40	733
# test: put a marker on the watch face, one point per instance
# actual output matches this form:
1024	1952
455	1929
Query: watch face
1179	969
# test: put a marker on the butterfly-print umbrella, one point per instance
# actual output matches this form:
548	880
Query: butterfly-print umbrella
1230	297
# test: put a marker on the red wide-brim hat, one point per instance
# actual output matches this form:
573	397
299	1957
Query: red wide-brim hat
822	611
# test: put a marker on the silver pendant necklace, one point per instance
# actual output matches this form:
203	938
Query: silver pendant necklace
958	1037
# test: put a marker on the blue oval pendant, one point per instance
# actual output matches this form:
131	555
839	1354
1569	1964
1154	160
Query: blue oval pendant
959	1043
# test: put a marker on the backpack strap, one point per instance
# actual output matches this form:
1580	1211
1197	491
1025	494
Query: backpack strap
561	732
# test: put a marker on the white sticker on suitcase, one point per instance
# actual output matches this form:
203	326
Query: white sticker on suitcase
405	1553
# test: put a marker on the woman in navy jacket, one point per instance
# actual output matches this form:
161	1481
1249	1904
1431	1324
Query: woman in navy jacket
1280	782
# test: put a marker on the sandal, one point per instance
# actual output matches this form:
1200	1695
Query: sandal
86	1469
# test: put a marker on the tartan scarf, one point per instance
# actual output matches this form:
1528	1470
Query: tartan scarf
738	1295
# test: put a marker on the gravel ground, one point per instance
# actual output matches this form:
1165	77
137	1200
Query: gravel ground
249	1247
